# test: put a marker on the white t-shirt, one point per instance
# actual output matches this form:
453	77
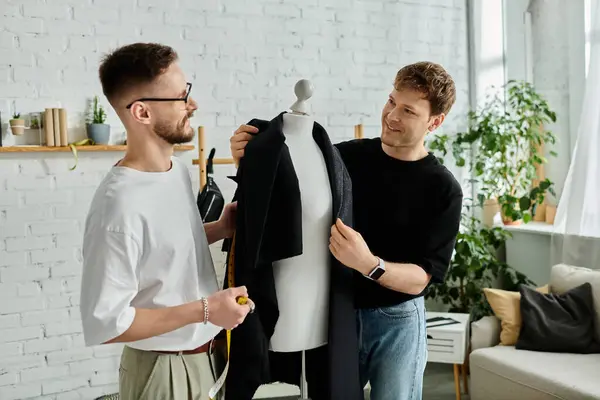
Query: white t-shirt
144	246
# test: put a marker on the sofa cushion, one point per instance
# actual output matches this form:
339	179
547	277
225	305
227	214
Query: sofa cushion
565	277
559	323
506	307
566	376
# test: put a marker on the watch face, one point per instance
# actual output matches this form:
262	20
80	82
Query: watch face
376	274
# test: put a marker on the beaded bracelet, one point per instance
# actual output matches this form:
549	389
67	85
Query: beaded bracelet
205	302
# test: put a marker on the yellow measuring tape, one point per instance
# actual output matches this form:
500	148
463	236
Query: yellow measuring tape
216	388
84	142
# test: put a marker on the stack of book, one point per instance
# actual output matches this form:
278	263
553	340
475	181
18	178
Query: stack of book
55	127
440	321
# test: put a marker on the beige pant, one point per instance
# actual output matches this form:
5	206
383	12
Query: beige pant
150	375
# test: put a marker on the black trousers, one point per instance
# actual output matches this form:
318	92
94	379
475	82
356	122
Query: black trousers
287	368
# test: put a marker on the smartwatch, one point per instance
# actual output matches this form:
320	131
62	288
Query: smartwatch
379	270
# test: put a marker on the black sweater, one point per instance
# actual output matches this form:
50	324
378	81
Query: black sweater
407	212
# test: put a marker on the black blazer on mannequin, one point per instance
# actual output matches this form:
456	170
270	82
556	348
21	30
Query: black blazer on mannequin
269	228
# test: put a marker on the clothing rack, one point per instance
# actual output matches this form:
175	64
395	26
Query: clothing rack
201	160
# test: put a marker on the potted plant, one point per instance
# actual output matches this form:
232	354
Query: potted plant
17	124
475	265
35	121
502	147
97	130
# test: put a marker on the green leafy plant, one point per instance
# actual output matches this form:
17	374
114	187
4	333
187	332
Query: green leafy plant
97	115
475	265
502	148
16	115
35	122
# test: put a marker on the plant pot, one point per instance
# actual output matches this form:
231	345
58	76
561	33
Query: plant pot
540	213
550	214
508	220
17	126
99	133
490	209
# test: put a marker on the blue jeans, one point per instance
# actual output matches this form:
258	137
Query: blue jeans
393	350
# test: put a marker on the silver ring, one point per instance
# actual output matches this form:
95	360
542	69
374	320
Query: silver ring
252	307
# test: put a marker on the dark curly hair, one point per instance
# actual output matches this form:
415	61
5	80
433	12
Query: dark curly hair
132	65
432	81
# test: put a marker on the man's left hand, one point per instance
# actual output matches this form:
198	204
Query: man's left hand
227	220
349	248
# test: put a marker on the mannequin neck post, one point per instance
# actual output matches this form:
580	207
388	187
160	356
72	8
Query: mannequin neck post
297	124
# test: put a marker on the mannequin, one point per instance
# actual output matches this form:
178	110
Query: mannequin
291	187
303	325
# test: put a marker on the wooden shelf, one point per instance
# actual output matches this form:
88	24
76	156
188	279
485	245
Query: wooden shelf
34	149
215	161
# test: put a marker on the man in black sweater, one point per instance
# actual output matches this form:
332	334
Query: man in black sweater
407	209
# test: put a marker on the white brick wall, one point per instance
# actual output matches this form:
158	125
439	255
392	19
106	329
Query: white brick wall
243	58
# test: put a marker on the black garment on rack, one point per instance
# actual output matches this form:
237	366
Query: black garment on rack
269	228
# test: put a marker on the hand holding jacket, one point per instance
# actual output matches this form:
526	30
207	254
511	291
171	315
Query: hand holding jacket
350	249
239	140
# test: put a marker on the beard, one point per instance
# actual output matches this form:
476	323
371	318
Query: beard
175	133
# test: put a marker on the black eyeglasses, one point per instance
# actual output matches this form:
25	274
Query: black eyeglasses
184	99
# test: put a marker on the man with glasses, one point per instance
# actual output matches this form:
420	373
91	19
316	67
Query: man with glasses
148	276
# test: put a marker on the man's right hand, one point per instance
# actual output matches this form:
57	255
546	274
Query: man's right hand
224	310
239	140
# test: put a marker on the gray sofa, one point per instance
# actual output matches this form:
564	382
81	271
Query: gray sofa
502	372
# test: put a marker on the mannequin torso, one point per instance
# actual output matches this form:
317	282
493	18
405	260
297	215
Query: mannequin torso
302	282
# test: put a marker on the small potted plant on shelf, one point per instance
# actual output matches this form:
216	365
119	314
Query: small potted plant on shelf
503	148
97	130
35	121
17	124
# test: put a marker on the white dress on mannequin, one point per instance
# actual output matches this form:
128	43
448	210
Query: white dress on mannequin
302	282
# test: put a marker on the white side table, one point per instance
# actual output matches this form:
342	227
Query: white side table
448	343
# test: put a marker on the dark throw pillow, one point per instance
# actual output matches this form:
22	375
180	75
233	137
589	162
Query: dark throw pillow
559	323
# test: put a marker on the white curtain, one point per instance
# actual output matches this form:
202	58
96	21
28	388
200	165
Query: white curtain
576	237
